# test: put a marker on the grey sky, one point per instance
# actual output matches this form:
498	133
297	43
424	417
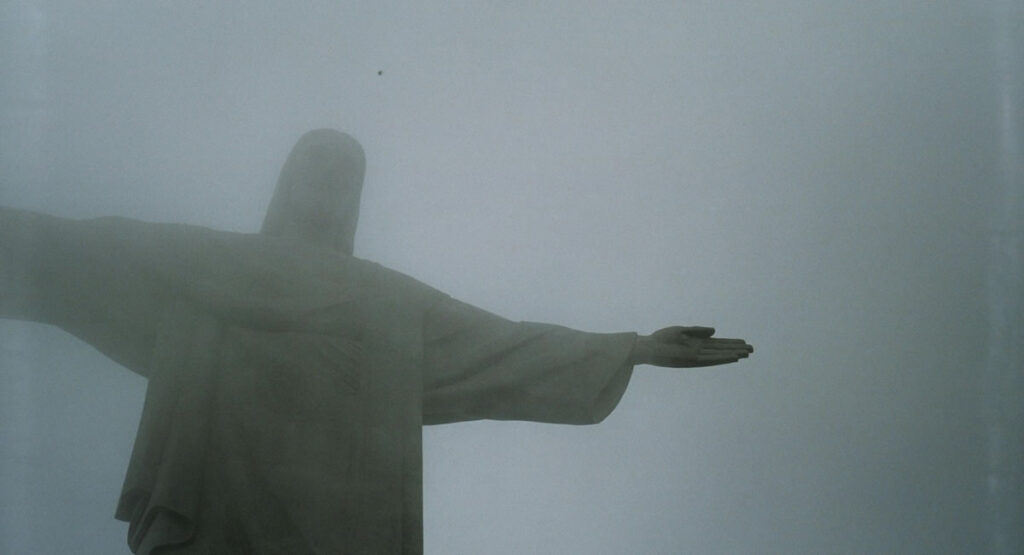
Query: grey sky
817	178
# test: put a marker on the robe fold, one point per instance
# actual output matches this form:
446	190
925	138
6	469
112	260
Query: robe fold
288	385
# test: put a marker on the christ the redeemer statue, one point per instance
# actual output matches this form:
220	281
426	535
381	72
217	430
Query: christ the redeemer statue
289	380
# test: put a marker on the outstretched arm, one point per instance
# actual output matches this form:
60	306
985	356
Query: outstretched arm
18	298
478	365
69	274
687	347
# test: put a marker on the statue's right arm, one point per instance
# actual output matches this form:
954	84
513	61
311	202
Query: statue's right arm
57	271
16	298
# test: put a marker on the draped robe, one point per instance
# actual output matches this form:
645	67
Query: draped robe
287	384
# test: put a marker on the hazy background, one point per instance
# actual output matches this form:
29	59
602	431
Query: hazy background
830	181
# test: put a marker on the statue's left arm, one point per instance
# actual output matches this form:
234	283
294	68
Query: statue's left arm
481	366
688	347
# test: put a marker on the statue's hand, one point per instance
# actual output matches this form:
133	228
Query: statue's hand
687	347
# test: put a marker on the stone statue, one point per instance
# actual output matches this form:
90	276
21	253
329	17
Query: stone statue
289	380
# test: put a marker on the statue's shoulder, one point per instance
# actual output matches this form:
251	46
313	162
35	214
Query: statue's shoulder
389	282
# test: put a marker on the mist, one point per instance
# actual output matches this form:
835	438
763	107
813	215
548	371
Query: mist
840	184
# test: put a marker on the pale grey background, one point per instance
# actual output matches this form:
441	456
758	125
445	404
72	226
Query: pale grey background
827	180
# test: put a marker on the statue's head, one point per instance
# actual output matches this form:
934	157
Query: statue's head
317	195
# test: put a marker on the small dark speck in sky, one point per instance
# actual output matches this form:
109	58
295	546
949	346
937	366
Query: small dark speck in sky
380	72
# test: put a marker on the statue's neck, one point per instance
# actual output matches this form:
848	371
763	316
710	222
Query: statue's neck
315	235
307	232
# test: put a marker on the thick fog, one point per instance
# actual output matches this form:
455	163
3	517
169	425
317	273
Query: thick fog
838	183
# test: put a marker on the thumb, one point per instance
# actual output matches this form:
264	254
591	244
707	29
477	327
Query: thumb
698	331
